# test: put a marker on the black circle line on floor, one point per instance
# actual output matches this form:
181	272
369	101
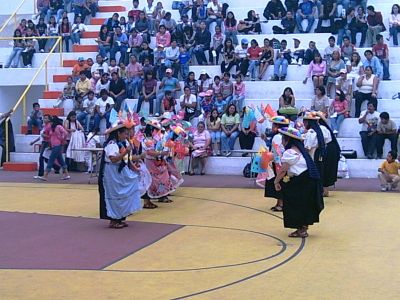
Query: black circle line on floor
281	251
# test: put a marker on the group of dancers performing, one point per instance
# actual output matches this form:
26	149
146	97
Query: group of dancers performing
306	167
142	166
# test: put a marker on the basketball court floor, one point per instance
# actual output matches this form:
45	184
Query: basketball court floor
210	243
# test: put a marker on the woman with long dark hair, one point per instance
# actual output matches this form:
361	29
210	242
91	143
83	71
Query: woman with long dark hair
300	183
118	178
231	28
332	156
315	140
65	32
277	148
18	47
229	56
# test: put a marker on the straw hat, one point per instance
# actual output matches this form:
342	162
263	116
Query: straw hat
128	124
311	115
291	132
322	116
279	120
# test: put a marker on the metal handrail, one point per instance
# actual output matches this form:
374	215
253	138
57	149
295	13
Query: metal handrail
22	98
13	15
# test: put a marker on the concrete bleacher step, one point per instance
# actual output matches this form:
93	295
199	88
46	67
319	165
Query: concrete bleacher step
60	78
97	21
24	130
22	143
51	94
350	127
112	8
85	48
90	34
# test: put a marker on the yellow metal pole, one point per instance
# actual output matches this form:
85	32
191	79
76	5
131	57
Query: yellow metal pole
24	109
46	71
61	51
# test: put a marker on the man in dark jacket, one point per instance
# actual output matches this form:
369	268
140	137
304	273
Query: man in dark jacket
274	10
288	24
202	41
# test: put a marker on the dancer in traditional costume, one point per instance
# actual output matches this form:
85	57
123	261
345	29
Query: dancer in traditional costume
332	155
119	177
278	122
299	181
161	184
314	140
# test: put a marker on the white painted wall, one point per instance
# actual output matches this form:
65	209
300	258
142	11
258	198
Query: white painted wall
9	96
7	7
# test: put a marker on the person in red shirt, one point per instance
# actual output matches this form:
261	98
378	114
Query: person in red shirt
254	53
135	11
375	25
168	103
381	51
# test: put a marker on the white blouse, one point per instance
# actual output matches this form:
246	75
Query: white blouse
111	149
277	140
297	163
326	133
311	141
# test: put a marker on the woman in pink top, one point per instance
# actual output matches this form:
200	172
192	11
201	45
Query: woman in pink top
200	145
163	37
339	110
239	91
317	71
57	136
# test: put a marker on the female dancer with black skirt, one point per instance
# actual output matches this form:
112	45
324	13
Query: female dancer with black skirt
299	181
332	155
276	147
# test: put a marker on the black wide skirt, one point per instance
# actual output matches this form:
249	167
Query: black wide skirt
331	163
302	201
269	190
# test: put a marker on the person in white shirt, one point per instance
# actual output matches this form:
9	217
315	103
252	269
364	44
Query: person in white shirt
89	105
76	31
242	62
330	49
214	10
369	120
394	24
171	57
100	65
102	84
103	108
150	11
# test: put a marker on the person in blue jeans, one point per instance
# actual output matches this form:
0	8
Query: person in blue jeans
281	62
103	108
184	59
202	40
35	118
168	83
18	47
229	124
306	11
120	44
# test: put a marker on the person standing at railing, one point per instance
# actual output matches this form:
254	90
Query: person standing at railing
18	47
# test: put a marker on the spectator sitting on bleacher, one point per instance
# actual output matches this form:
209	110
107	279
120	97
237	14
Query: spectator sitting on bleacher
330	49
112	22
229	56
394	24
242	61
386	129
328	12
22	26
274	10
41	29
310	53
113	67
52	30
359	25
202	41
134	71
82	85
230	129
80	9
230	25
168	83
292	5
185	7
347	49
184	60
117	90
56	7
375	25
389	172
338	111
104	41
76	31
88	109
355	69
100	65
135	11
188	104
191	82
120	44
297	53
344	25
367	89
35	118
254	53
288	23
239	92
345	84
78	104
251	24
18	47
333	70
320	102
29	51
381	51
78	68
220	104
149	90
42	6
287	104
316	71
169	23
142	26
369	120
146	53
93	6
283	59
267	58
216	45
307	11
65	31
151	13
102	84
67	93
103	108
163	37
93	81
172	58
180	30
248	130
214	128
227	88
373	62
168	104
123	25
